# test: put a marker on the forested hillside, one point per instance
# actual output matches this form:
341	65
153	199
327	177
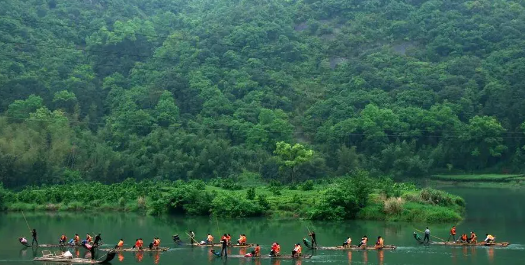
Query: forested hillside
106	90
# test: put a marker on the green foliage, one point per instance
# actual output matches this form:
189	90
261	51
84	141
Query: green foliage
479	178
308	185
288	90
291	157
250	194
227	205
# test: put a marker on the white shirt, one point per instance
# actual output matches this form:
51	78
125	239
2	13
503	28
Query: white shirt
68	254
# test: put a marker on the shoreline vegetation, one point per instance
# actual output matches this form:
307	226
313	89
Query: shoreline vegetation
356	196
478	180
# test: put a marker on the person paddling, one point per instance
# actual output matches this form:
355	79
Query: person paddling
464	238
427	235
192	237
34	235
314	239
98	240
77	240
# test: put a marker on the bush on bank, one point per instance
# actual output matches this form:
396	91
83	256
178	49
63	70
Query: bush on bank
356	196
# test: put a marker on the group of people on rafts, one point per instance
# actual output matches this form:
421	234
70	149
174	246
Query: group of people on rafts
62	241
226	238
464	238
380	243
256	252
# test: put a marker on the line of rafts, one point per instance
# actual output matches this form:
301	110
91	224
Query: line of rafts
49	256
479	244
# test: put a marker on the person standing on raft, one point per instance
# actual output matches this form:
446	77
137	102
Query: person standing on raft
427	235
33	234
452	234
98	239
224	244
314	240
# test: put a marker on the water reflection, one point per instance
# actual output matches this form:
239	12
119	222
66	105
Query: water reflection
365	256
157	257
139	255
490	252
349	254
381	256
23	252
120	257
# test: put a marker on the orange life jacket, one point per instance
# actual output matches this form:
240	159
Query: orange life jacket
120	243
453	231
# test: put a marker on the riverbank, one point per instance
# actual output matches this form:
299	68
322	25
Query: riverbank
357	197
478	180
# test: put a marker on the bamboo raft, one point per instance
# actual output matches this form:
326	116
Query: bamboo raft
50	257
161	249
479	244
271	257
354	247
55	245
248	245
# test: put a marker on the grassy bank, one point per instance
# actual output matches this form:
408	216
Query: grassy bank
480	178
479	181
355	197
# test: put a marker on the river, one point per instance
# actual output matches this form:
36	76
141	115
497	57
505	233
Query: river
496	211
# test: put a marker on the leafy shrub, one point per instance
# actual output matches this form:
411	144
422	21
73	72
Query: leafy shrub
198	184
227	183
307	185
250	194
228	205
262	200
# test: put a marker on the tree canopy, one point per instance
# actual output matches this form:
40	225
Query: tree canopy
155	89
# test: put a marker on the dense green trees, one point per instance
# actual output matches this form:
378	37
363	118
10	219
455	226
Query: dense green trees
167	90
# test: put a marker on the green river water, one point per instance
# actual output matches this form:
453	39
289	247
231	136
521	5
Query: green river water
495	211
